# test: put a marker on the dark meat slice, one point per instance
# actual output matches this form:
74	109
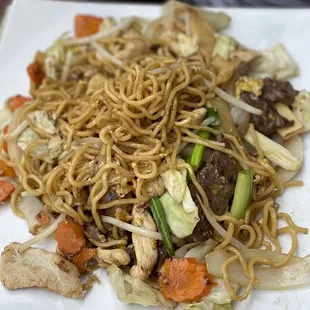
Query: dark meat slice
218	179
274	91
270	120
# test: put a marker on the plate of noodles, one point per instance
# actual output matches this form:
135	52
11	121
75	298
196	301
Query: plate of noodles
154	156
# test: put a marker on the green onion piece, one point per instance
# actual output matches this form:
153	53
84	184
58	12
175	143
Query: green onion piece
198	151
211	112
160	219
243	194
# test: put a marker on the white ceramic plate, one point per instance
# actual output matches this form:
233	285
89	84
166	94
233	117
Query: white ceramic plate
33	25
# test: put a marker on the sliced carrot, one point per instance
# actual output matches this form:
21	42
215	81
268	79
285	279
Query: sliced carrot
70	237
6	188
5	145
6	170
85	25
42	217
80	261
36	72
184	280
17	101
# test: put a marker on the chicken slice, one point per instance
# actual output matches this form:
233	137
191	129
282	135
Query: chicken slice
145	248
39	268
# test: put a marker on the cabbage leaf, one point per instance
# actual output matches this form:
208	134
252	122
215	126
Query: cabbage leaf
301	108
180	222
275	63
131	290
206	305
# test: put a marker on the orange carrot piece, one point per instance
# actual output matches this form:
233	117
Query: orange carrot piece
17	101
80	261
42	217
6	170
36	72
5	145
70	237
184	280
85	25
6	188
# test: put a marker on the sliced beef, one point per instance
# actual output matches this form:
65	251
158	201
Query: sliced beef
274	91
218	179
268	122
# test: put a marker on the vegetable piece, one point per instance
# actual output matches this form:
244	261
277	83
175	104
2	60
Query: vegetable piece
275	152
200	149
219	294
5	131
85	25
301	108
70	237
276	63
243	194
181	252
160	219
223	46
207	305
80	261
241	120
294	275
227	124
200	251
174	183
296	147
131	290
36	72
180	222
184	280
5	116
6	188
17	101
288	132
218	20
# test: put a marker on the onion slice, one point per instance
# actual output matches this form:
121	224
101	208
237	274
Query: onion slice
296	274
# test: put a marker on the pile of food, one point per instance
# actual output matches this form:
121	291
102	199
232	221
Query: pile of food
155	149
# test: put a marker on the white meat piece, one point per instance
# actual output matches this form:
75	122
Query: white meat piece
145	248
106	258
39	268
